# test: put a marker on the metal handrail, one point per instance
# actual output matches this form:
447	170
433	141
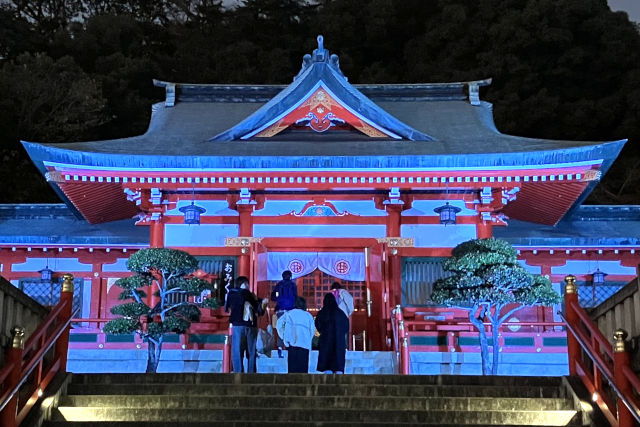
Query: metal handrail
630	405
35	361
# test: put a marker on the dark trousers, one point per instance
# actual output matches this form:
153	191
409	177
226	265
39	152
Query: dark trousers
298	360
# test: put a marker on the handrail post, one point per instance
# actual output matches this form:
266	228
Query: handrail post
13	357
226	351
406	365
62	345
620	360
570	297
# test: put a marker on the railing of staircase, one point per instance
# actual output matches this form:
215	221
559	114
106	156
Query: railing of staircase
400	340
604	369
28	368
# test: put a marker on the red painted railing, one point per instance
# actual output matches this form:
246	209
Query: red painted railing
404	329
27	372
604	369
94	325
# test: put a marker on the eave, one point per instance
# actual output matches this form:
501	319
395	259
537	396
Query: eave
545	193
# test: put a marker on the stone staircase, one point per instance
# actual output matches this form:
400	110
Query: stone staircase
198	400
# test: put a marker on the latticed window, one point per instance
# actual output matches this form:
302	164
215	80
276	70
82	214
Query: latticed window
315	285
418	275
591	296
48	293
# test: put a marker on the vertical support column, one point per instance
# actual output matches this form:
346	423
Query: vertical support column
545	314
156	234
226	351
62	345
570	298
621	360
13	356
245	229
484	229
156	240
394	262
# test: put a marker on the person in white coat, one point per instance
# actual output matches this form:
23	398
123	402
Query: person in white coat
296	328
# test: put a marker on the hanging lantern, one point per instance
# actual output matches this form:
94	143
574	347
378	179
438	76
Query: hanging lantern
192	213
598	277
447	213
46	274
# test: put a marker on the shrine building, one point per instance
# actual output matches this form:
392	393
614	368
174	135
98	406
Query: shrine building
370	185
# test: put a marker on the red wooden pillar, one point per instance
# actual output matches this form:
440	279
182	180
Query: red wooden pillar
13	356
393	278
66	295
156	234
484	230
621	360
156	240
570	298
226	351
245	229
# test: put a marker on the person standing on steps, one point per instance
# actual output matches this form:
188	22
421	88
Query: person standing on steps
296	327
345	303
245	308
284	294
333	325
343	298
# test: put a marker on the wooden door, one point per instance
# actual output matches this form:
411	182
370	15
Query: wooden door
377	301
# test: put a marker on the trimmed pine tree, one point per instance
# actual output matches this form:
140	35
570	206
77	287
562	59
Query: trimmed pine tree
167	272
485	278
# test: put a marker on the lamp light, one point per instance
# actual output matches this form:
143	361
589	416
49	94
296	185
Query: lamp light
598	277
46	273
447	213
192	213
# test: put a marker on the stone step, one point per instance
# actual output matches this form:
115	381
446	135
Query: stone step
407	391
415	403
313	416
193	378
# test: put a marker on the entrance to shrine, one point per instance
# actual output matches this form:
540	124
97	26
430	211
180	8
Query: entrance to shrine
360	272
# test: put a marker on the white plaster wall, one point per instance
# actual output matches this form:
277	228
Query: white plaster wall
318	230
55	264
119	265
589	266
184	235
437	235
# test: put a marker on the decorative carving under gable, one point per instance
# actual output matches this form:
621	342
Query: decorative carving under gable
241	241
397	242
319	209
320	112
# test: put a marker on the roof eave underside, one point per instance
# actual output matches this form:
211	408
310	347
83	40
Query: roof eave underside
607	152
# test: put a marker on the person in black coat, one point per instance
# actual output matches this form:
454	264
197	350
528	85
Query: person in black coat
333	326
244	323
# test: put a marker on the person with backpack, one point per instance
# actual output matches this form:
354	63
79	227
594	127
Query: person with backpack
284	293
296	327
245	308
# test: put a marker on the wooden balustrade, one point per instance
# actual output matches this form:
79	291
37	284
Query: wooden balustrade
600	365
620	311
27	372
17	309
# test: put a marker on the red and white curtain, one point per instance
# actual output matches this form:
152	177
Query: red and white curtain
343	265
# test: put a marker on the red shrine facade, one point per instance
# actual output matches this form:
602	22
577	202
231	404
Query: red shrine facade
368	185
